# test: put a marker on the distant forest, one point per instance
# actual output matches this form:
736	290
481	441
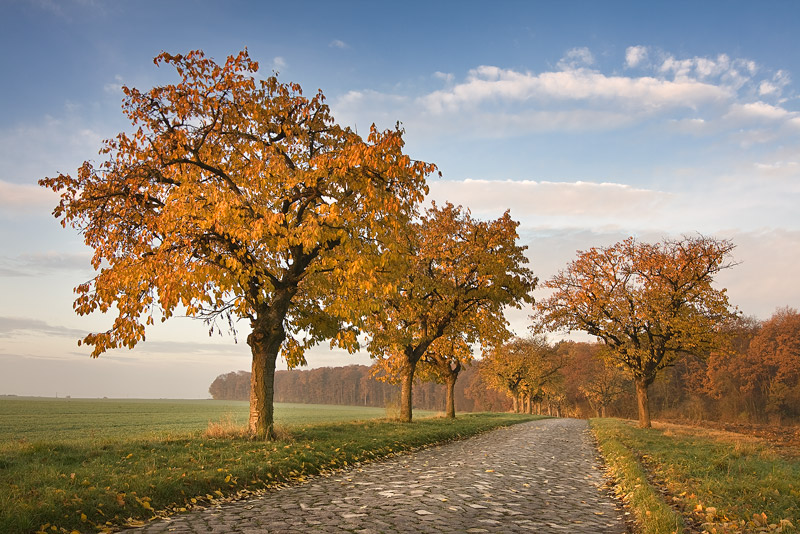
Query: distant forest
354	385
756	380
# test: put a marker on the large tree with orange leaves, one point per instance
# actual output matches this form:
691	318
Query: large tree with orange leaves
236	198
457	276
650	303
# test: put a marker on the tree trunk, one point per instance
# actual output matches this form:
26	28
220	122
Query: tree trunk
264	345
406	391
603	410
515	403
643	403
450	401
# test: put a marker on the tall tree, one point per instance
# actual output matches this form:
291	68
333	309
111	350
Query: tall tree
237	198
650	303
459	275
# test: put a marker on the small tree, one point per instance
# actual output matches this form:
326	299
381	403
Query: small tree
443	362
236	198
648	302
458	275
605	386
522	368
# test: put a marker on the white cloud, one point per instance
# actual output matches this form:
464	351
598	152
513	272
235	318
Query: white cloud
645	94
336	43
278	63
24	198
445	76
758	111
557	204
697	95
576	58
775	86
115	86
733	73
635	56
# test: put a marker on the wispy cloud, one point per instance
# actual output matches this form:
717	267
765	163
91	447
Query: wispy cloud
278	63
23	198
10	326
337	43
635	56
26	265
576	58
700	94
744	202
46	147
559	204
645	94
447	77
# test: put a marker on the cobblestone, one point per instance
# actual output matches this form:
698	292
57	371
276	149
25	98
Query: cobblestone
540	477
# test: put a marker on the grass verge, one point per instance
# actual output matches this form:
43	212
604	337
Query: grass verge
102	483
652	514
721	482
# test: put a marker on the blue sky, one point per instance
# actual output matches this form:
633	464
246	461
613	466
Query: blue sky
591	121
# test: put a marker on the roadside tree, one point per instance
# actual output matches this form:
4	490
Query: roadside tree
650	303
238	198
458	275
523	368
443	362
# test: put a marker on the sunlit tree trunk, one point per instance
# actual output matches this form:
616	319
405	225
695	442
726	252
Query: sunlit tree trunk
264	349
450	401
265	342
406	387
643	403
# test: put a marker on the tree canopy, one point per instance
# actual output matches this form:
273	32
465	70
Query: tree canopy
458	276
650	303
238	198
522	368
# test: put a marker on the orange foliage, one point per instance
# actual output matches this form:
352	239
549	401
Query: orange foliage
232	198
649	303
457	277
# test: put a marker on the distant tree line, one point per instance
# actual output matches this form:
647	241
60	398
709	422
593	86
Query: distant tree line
754	378
354	385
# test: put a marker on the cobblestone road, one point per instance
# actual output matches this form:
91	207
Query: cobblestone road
541	477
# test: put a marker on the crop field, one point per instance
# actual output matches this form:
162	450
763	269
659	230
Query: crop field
94	465
34	419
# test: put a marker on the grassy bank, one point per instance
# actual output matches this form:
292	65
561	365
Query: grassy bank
104	481
718	481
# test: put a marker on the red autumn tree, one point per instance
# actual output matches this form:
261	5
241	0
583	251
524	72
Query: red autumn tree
649	303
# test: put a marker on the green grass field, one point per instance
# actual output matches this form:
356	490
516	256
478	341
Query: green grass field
674	475
93	465
33	419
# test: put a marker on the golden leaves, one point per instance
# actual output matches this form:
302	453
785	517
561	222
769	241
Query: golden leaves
232	197
648	302
456	276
